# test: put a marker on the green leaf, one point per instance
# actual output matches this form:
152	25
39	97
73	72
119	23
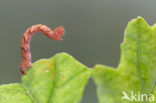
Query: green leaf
136	73
60	79
13	93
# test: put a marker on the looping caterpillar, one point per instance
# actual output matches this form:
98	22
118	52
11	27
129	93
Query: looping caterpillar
25	42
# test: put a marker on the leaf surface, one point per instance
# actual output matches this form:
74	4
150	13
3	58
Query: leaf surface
136	72
60	79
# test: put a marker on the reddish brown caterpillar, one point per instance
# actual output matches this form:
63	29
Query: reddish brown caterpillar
25	42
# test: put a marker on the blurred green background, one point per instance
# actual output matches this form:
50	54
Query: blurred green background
94	31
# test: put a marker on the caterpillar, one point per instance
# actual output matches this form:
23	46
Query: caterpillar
56	34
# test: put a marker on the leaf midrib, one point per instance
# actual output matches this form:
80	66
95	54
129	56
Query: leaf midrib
52	92
138	58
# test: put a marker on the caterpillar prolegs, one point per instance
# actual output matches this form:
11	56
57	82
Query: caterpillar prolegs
56	34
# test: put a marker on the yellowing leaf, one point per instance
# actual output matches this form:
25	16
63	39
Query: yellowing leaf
133	81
